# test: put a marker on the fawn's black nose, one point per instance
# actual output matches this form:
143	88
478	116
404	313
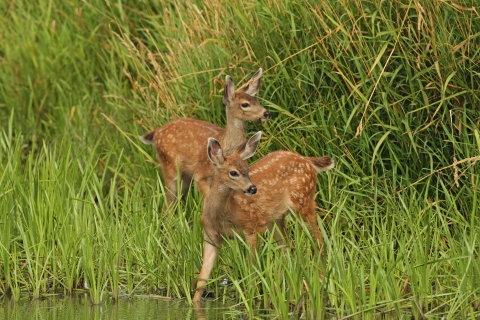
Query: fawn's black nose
267	114
252	189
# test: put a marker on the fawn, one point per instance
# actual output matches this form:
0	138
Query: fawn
180	144
285	180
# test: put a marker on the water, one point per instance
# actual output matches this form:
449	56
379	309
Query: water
60	307
78	307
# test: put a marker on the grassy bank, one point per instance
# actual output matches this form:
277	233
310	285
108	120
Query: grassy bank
391	91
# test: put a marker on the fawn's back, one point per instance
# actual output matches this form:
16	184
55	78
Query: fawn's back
284	180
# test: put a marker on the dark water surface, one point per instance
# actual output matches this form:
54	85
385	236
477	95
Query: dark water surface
79	307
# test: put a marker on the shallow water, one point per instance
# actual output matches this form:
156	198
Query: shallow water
79	307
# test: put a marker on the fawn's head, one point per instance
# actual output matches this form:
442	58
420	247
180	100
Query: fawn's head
242	104
232	171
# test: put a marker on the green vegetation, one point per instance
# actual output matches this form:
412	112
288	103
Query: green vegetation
389	89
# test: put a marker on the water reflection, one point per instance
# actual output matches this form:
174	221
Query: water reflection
78	307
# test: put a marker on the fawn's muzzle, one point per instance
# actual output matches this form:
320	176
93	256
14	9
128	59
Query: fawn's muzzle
266	115
251	190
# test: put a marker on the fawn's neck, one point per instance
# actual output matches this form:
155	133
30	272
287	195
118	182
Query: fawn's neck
235	134
215	203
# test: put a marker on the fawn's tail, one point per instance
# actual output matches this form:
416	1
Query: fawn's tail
148	138
322	164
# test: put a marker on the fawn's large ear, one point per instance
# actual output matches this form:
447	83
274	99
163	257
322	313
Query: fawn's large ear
251	146
229	92
215	152
254	84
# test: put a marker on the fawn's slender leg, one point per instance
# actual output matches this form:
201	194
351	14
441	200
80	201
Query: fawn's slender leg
280	231
186	182
251	240
210	252
171	191
308	213
170	178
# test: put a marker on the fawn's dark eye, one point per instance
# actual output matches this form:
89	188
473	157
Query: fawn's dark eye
233	174
245	105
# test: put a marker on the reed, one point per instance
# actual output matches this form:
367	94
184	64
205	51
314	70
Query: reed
390	91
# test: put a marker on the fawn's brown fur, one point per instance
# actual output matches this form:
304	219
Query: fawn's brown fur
285	181
180	144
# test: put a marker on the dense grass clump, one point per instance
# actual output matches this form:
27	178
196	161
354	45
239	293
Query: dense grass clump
390	90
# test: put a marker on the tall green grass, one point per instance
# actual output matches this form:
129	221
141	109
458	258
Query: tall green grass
390	90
